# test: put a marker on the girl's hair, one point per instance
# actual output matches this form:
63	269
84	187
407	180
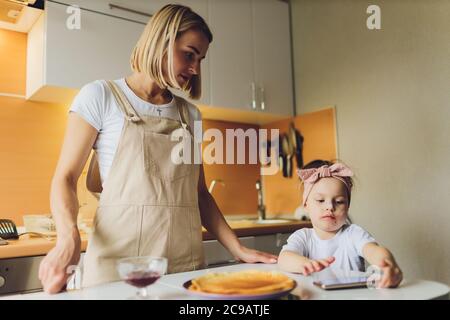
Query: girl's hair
315	164
157	41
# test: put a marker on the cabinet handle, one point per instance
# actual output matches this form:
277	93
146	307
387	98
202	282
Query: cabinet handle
253	86
263	100
114	6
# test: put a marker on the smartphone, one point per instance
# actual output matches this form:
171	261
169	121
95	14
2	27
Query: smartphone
342	283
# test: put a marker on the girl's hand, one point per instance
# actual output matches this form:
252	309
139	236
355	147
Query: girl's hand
392	275
312	266
248	255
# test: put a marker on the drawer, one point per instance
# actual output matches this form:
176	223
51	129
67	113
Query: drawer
20	275
216	254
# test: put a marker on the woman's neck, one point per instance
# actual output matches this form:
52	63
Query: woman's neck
147	89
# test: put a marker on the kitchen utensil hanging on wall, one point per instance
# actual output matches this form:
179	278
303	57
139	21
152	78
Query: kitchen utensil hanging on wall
281	155
297	141
267	152
287	163
290	154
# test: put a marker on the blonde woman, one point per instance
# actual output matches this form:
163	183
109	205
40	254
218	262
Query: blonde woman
149	205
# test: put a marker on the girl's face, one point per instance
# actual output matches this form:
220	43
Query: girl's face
189	50
327	204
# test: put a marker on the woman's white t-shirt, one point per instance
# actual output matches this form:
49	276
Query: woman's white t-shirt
96	104
346	246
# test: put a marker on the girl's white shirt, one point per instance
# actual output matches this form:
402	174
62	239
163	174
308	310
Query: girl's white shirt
346	246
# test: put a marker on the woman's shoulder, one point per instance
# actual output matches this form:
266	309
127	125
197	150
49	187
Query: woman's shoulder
94	88
91	93
93	102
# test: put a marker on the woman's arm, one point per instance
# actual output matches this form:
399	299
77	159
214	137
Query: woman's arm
214	222
383	258
78	141
293	262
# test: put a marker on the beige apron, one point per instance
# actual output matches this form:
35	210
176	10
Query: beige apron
149	204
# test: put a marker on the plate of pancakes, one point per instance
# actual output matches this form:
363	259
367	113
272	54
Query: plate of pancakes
241	285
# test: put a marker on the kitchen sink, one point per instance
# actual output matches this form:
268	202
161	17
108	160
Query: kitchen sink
256	221
272	221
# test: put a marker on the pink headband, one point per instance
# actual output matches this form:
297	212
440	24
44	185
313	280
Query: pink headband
311	176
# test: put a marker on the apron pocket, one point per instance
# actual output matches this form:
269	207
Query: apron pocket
115	235
185	246
158	157
116	231
155	231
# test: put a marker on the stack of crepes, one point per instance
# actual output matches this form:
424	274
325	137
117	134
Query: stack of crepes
246	282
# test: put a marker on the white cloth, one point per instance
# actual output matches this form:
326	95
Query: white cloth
346	246
96	104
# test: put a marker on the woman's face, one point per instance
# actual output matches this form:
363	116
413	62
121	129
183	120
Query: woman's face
327	204
189	51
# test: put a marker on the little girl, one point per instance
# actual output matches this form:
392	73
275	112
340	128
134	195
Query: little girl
333	240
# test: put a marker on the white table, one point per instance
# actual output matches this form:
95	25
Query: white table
170	287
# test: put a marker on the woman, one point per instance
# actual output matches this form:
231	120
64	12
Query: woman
149	205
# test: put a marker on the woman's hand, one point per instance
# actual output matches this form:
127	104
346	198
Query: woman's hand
248	255
53	270
312	266
391	274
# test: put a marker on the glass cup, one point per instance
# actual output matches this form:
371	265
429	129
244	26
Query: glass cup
140	272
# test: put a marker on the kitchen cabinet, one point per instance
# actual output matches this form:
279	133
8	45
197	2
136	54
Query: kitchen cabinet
250	57
272	60
61	60
20	274
217	255
231	53
248	66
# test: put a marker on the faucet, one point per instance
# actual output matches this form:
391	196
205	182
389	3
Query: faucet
261	206
213	183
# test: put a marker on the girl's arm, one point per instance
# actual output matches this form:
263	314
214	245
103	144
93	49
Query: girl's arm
383	258
78	142
293	262
214	222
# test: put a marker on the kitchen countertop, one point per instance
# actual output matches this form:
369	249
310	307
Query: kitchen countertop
32	246
169	287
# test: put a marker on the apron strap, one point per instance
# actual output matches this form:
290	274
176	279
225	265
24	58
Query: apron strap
122	101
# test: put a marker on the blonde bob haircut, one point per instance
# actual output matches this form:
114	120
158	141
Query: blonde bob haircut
157	42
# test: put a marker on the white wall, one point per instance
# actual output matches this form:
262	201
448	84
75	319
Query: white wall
391	88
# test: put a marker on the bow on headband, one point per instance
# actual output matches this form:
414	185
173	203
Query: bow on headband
311	176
